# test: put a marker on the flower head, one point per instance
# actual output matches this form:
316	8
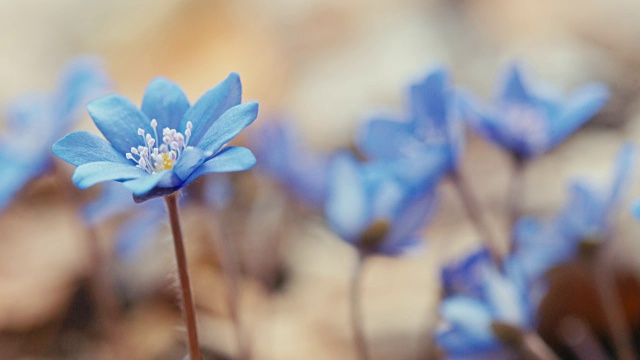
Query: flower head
431	134
491	308
371	208
166	144
35	121
283	156
529	119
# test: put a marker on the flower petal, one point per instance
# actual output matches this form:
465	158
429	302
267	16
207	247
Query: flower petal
232	158
190	159
144	184
119	120
211	106
514	88
429	97
386	139
583	104
165	102
228	126
81	147
84	78
92	173
347	208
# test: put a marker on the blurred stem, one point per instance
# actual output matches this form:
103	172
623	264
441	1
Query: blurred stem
576	335
188	305
231	269
533	344
356	309
514	196
475	214
619	330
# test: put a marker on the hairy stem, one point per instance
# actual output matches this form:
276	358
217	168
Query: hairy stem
356	309
188	305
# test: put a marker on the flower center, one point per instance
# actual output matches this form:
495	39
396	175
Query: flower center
155	157
527	124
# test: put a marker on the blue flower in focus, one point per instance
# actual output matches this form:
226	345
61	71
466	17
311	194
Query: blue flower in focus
529	119
432	135
586	218
164	146
491	309
371	208
35	121
138	229
283	156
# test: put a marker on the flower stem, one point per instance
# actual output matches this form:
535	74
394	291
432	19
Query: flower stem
533	344
231	270
356	309
514	196
474	214
576	335
188	305
613	312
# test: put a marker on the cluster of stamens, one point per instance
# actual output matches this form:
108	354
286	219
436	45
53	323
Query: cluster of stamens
155	156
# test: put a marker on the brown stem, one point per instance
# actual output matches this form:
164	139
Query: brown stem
231	270
356	309
514	196
475	214
537	348
188	305
576	335
612	308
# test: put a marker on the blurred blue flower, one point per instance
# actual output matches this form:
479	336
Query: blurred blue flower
585	218
371	208
490	308
282	155
140	226
432	135
154	163
529	119
36	120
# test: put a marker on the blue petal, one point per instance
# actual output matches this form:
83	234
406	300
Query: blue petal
514	88
635	209
428	98
119	120
189	161
115	200
13	177
232	158
83	78
414	214
165	102
623	171
582	105
386	139
92	173
469	317
144	184
211	106
228	126
347	207
81	147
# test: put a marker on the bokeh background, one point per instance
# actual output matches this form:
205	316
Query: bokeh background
326	65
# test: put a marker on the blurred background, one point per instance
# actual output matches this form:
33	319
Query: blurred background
326	65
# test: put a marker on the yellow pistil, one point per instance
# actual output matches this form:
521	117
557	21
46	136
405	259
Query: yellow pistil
166	164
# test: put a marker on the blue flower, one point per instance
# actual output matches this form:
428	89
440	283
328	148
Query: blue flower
529	119
432	134
493	307
586	218
35	121
137	230
371	208
164	146
283	156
